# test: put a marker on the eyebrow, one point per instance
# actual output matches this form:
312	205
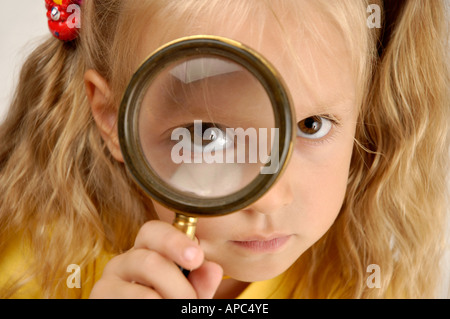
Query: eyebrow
202	68
335	108
220	80
175	94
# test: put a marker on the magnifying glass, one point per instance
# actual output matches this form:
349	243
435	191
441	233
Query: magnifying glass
206	127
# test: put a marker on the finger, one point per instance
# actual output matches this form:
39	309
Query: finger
206	279
171	243
150	269
117	289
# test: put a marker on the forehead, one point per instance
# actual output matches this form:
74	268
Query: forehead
301	41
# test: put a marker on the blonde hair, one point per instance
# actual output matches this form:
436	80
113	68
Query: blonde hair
61	188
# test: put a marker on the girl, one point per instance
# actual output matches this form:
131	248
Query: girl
359	213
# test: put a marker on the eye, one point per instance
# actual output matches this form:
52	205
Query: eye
314	127
209	137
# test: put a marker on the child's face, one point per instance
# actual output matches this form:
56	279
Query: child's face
265	239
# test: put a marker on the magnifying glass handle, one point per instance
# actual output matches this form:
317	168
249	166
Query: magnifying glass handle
187	225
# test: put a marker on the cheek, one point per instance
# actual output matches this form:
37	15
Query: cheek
216	230
164	214
211	229
320	184
321	202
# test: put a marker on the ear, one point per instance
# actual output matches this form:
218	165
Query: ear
105	115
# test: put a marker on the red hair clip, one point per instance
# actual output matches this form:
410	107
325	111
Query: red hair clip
64	18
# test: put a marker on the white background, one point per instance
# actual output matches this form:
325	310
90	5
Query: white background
23	24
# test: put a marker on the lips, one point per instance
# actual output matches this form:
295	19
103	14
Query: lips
263	245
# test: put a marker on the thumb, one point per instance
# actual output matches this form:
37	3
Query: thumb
206	279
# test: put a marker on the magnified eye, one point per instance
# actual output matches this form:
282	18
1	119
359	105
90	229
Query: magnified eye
209	137
314	127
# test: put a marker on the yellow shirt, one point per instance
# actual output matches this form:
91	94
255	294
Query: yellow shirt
276	288
15	260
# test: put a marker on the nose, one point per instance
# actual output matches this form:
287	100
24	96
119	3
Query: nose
279	196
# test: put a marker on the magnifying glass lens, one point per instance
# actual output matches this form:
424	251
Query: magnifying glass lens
206	126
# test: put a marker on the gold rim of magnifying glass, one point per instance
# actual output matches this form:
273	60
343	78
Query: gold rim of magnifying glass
129	111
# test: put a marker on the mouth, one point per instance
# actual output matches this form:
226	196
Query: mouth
271	244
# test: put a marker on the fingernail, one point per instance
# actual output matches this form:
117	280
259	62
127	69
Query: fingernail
190	253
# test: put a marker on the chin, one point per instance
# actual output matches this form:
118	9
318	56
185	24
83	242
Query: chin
253	273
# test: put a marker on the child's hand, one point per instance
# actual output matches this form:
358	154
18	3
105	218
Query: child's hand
149	270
